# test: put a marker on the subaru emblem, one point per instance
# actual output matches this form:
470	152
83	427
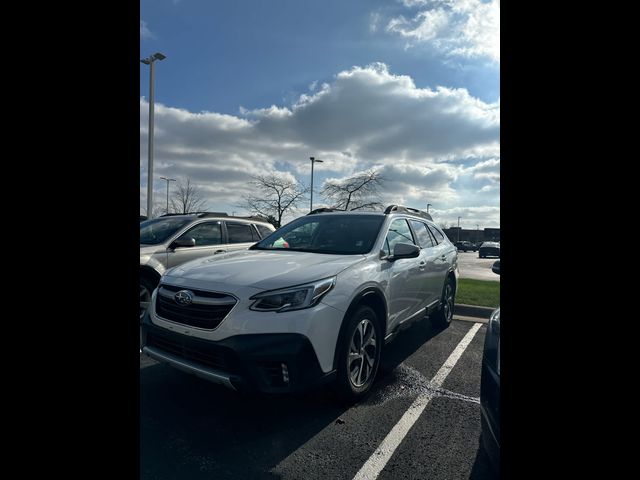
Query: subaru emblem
183	297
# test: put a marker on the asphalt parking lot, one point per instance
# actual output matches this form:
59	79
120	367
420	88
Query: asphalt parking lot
470	266
192	429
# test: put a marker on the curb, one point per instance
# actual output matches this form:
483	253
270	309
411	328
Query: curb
472	311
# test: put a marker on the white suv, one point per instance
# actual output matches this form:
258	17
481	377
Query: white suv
313	302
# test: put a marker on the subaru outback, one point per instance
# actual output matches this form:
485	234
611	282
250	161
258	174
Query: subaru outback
312	303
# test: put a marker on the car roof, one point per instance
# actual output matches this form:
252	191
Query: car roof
215	215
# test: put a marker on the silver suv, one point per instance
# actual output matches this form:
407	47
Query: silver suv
171	240
313	302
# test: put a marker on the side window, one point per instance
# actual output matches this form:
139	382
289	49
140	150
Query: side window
424	238
437	234
399	232
208	233
239	232
264	231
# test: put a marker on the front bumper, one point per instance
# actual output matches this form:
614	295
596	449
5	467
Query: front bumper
268	362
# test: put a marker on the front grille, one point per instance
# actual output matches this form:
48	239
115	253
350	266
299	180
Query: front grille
205	312
208	355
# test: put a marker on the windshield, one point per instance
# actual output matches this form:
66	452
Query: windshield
337	234
158	230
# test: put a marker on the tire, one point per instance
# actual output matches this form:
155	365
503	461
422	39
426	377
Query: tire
353	381
443	316
146	289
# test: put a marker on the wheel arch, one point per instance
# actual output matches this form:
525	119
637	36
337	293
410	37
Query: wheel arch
150	273
371	297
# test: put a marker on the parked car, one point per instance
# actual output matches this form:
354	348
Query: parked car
310	304
490	386
142	218
489	249
466	246
172	240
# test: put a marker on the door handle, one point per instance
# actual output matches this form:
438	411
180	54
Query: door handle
219	251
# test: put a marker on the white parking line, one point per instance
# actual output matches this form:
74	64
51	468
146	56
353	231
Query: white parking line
377	461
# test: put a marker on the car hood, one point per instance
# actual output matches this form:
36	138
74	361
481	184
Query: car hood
259	269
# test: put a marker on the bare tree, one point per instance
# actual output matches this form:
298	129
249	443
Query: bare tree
158	209
361	191
276	195
187	198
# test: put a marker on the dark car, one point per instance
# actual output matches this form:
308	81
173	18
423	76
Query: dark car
490	387
489	249
466	246
143	218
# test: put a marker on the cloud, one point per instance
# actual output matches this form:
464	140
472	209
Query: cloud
145	33
456	28
430	144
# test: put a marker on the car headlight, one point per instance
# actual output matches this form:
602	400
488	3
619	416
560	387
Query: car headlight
293	298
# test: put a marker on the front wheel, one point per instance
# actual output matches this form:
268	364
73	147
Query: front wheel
359	354
146	289
443	316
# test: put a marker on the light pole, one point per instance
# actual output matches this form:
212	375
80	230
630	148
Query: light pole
150	61
477	233
313	160
168	180
428	205
459	228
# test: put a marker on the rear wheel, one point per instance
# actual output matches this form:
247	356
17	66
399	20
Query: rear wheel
443	316
359	354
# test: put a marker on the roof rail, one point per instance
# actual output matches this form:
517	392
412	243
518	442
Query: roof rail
324	210
199	214
211	214
402	209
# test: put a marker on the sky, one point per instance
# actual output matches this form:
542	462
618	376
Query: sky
409	88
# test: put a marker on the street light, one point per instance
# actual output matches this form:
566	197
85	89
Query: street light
428	205
459	228
168	180
313	160
150	61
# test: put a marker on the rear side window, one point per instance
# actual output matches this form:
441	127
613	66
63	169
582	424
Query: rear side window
264	231
438	235
240	233
424	238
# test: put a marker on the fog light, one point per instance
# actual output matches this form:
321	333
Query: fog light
285	373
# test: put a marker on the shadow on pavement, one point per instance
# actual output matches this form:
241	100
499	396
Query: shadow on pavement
190	428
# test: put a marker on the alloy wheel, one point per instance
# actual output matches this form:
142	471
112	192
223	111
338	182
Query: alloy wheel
362	353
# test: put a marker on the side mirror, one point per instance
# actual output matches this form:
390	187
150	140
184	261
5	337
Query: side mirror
496	267
183	242
405	250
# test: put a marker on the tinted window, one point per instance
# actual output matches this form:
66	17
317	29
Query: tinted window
158	230
208	233
239	233
264	230
399	232
424	238
439	236
337	234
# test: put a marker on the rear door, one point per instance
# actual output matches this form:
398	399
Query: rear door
240	235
